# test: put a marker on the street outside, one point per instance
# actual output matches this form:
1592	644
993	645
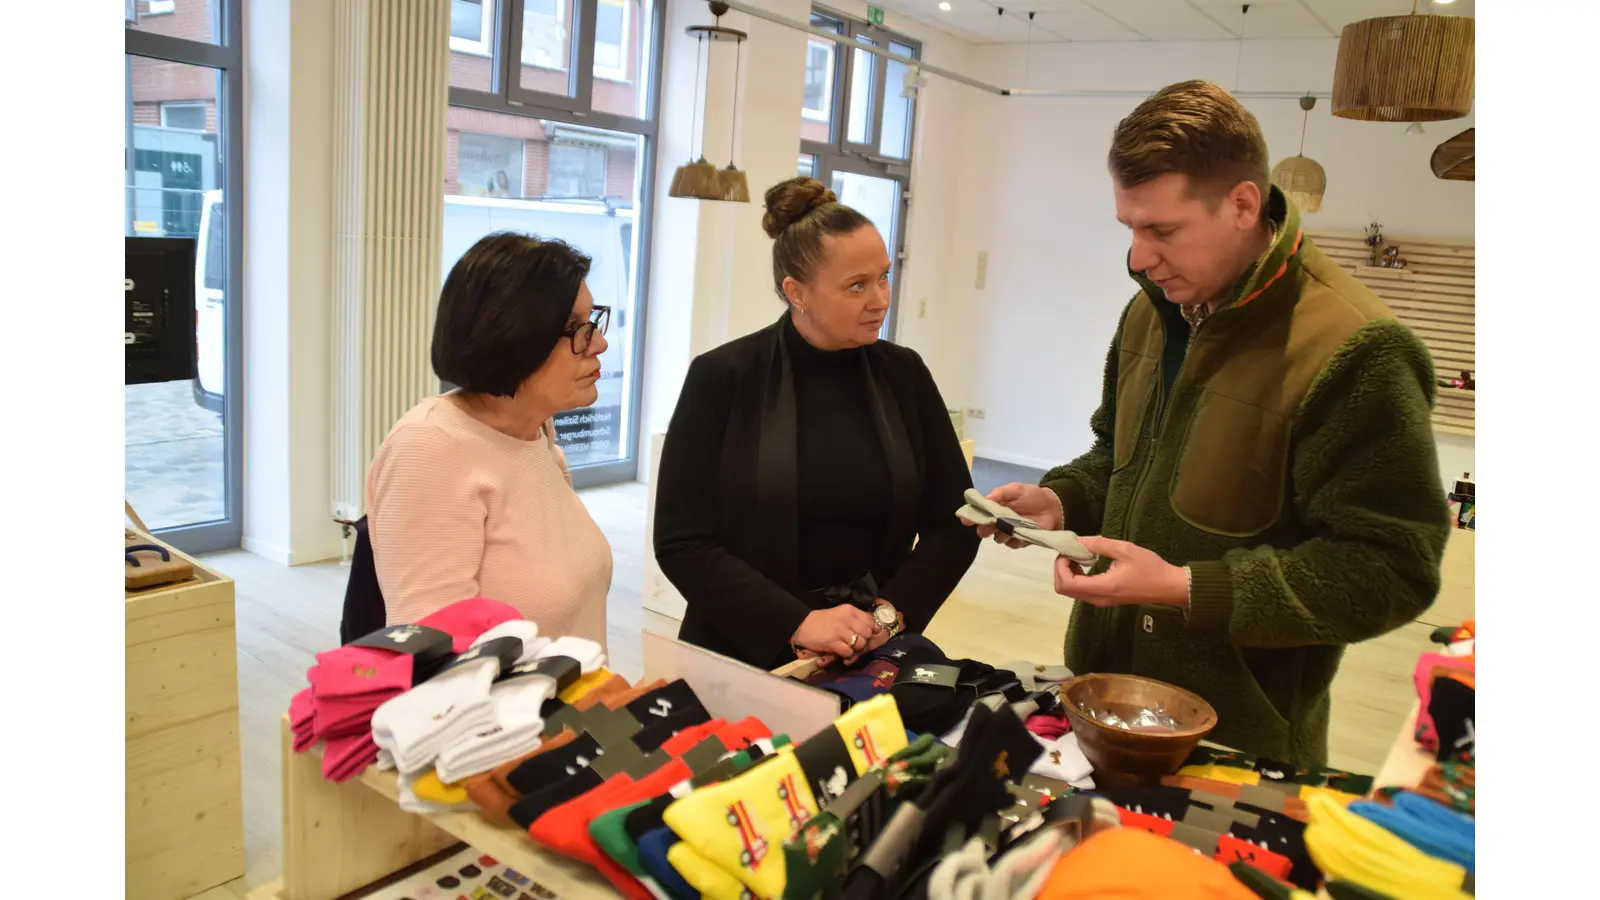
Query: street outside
173	456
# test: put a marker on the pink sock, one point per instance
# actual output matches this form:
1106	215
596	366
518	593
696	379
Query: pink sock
301	709
345	758
1048	727
361	671
1422	676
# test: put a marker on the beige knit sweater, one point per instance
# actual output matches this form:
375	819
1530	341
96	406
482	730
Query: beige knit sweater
458	509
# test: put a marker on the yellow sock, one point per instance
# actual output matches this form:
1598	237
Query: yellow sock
1349	848
1339	797
872	731
740	825
1229	774
430	788
585	684
712	882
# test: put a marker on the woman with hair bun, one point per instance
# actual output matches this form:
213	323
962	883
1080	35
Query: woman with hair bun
809	482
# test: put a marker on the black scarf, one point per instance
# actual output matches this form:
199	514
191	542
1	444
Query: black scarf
775	515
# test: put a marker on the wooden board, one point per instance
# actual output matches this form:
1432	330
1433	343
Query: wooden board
184	807
1434	295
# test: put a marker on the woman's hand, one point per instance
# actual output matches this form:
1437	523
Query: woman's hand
830	632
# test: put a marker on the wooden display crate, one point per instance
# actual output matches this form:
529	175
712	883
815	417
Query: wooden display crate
185	818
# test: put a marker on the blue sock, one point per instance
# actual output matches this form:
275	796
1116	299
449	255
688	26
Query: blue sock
1426	825
653	849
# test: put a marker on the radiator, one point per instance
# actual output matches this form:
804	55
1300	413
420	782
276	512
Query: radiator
390	99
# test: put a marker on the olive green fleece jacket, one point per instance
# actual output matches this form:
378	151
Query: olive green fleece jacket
1291	466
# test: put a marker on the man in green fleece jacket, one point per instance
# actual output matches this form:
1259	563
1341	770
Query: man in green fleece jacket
1263	478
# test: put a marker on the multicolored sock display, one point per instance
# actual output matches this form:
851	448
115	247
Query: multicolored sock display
1242	768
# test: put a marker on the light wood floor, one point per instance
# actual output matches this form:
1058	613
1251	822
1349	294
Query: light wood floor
1004	610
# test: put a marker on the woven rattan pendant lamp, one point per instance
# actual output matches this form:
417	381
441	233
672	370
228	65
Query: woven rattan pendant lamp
1301	177
700	180
1404	69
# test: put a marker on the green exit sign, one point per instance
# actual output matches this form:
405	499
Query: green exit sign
875	15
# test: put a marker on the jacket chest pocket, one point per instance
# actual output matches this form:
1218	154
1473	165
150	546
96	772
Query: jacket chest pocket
1136	383
1233	471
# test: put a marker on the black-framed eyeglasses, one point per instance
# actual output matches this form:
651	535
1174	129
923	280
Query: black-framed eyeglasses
582	334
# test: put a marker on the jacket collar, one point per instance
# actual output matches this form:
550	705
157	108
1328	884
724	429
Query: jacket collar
1269	271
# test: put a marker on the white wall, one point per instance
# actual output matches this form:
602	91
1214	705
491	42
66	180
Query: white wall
287	280
1033	192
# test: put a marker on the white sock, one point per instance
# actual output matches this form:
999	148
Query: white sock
515	721
414	726
1063	761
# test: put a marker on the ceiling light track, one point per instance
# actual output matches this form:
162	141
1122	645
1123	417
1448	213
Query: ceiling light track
973	82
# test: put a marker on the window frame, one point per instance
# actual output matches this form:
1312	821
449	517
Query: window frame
839	154
226	56
821	114
619	74
484	47
508	96
188	104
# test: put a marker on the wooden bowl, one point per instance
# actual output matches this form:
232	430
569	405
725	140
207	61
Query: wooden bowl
1121	756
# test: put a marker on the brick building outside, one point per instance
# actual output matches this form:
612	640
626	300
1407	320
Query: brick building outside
487	154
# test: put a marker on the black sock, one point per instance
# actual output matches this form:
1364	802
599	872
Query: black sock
554	767
1452	705
530	807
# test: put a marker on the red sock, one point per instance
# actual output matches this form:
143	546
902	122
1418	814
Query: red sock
565	829
690	737
743	733
1231	849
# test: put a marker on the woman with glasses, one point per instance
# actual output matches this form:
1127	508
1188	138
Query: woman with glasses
469	496
808	486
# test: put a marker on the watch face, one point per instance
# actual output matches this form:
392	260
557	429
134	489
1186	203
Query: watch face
885	616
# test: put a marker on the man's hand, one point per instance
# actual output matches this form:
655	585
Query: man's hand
1136	576
1029	501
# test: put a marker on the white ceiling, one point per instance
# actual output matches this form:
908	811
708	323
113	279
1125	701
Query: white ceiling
982	22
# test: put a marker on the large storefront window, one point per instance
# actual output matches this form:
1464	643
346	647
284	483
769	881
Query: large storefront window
563	152
181	452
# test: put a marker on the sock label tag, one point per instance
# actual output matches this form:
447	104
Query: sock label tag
827	765
930	674
418	640
505	649
563	670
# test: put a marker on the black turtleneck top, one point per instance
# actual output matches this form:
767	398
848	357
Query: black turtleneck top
844	474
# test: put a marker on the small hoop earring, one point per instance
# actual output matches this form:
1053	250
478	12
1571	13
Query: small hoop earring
800	309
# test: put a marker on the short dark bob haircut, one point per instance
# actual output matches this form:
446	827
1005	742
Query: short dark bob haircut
505	305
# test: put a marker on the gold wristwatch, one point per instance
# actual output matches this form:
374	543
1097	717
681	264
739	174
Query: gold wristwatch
885	616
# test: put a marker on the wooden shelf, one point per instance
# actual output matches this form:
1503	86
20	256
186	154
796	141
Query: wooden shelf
340	838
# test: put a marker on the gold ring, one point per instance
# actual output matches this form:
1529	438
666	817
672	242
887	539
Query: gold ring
853	639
